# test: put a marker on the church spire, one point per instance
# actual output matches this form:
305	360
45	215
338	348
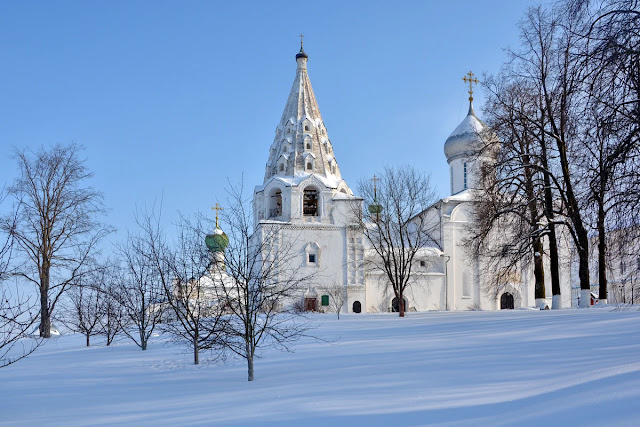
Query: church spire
301	146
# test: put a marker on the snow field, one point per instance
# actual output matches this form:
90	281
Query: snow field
522	367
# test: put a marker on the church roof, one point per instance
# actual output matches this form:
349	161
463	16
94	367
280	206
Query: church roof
301	146
466	138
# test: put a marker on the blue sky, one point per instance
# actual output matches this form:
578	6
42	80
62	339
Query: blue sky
172	98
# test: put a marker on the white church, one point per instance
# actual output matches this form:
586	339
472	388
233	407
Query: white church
304	197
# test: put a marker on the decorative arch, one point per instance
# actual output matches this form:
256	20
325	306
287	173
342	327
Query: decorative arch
458	213
312	254
510	293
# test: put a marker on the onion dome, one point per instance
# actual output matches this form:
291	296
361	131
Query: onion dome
302	53
375	207
217	241
466	139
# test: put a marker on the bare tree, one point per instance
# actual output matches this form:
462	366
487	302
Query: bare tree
337	297
81	309
509	220
144	273
611	130
55	228
191	294
18	314
259	281
394	227
113	320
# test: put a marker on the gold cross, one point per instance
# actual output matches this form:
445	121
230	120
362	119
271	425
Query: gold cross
471	82
301	37
217	208
375	180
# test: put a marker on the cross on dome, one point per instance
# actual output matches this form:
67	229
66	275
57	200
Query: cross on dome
471	80
217	208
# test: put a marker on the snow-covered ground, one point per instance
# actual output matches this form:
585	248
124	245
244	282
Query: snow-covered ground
569	367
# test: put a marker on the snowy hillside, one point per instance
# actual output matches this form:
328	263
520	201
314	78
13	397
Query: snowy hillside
571	367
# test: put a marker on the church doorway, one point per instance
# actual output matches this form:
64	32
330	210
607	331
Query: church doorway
395	305
310	304
506	301
357	307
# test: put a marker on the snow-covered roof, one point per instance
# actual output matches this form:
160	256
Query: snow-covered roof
466	138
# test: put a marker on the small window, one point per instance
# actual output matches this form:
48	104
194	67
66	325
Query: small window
306	127
324	300
308	146
309	166
465	176
422	263
312	259
281	167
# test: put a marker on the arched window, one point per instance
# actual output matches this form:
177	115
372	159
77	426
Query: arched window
281	167
310	202
275	204
308	145
309	166
306	127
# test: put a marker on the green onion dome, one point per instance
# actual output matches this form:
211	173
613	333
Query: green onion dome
216	241
375	207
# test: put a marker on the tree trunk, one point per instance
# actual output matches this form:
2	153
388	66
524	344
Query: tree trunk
538	272
602	251
554	263
196	351
249	363
143	344
401	305
538	264
45	316
583	272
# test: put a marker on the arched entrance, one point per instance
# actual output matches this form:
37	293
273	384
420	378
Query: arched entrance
506	301
357	307
395	305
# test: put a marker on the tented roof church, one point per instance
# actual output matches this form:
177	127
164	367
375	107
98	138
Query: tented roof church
304	196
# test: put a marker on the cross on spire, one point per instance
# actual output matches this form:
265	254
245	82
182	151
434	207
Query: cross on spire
471	80
375	180
217	208
301	37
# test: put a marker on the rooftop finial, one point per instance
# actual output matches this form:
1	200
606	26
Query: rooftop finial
471	80
217	208
301	54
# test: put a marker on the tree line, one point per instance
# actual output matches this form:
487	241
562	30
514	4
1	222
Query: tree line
565	109
231	297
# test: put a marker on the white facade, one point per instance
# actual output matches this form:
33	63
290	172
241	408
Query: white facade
305	198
